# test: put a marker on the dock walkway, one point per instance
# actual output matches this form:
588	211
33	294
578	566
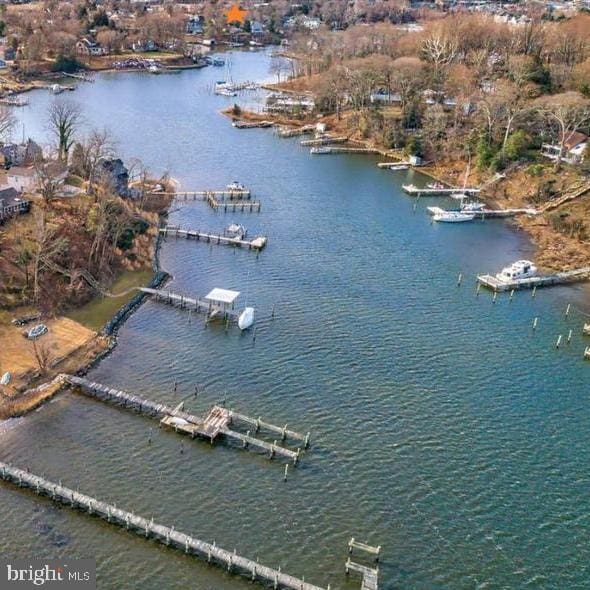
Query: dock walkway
216	423
489	213
559	278
410	189
257	243
190	545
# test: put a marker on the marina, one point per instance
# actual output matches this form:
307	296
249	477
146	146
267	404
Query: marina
148	528
213	425
257	243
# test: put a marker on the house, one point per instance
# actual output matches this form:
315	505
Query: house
574	148
384	97
26	179
21	178
144	46
195	25
23	154
256	28
89	47
9	54
12	204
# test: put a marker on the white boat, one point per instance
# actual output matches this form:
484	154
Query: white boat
453	216
246	318
225	92
586	329
5	379
154	69
57	89
521	269
235	186
473	206
396	167
320	150
236	230
587	353
176	421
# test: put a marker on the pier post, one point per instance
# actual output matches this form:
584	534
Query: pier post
478	289
306	441
558	341
511	295
286	472
567	310
534	291
459	279
535	323
495	297
569	336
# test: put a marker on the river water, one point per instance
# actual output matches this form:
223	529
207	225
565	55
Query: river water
443	428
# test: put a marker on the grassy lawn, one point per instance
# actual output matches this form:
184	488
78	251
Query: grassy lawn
95	314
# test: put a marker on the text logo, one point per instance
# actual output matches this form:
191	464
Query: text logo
49	574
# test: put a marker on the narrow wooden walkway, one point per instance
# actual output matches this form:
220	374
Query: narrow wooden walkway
214	424
190	545
559	278
257	243
483	213
410	189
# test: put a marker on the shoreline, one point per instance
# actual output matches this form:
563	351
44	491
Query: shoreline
87	356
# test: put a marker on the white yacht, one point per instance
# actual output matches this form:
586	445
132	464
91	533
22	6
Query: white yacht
397	167
453	216
521	269
236	230
320	150
472	206
586	329
235	186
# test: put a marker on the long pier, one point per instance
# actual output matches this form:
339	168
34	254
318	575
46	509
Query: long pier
257	243
323	141
349	150
410	189
143	527
558	278
216	423
489	213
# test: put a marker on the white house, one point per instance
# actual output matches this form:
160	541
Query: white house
574	148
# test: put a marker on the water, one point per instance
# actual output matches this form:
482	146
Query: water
443	428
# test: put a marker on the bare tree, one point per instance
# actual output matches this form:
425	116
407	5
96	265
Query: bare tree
42	353
65	118
7	123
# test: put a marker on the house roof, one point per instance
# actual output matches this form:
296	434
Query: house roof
10	196
21	171
575	139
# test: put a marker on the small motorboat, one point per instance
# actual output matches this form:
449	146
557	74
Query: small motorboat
236	230
218	62
235	186
435	186
176	421
154	69
587	352
246	318
472	206
586	329
453	216
37	331
320	150
5	379
521	269
397	167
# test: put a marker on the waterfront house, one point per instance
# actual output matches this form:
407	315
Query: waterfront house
144	46
195	25
87	46
22	178
12	204
574	148
23	154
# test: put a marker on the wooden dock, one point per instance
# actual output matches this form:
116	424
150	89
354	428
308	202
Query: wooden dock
252	124
220	195
323	141
286	132
390	164
370	574
559	278
213	425
414	191
199	304
257	243
210	552
350	150
489	213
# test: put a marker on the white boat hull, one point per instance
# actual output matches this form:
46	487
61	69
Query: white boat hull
246	318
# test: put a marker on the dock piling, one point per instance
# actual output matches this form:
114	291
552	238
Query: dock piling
535	323
557	344
459	279
567	310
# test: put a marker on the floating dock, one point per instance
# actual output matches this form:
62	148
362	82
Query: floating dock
215	424
210	552
410	189
489	213
286	132
257	243
559	278
393	164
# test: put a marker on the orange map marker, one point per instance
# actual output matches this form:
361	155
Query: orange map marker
236	15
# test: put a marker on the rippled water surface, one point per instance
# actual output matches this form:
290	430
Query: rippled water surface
443	428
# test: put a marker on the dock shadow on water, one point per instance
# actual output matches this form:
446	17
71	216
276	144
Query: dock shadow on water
447	431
